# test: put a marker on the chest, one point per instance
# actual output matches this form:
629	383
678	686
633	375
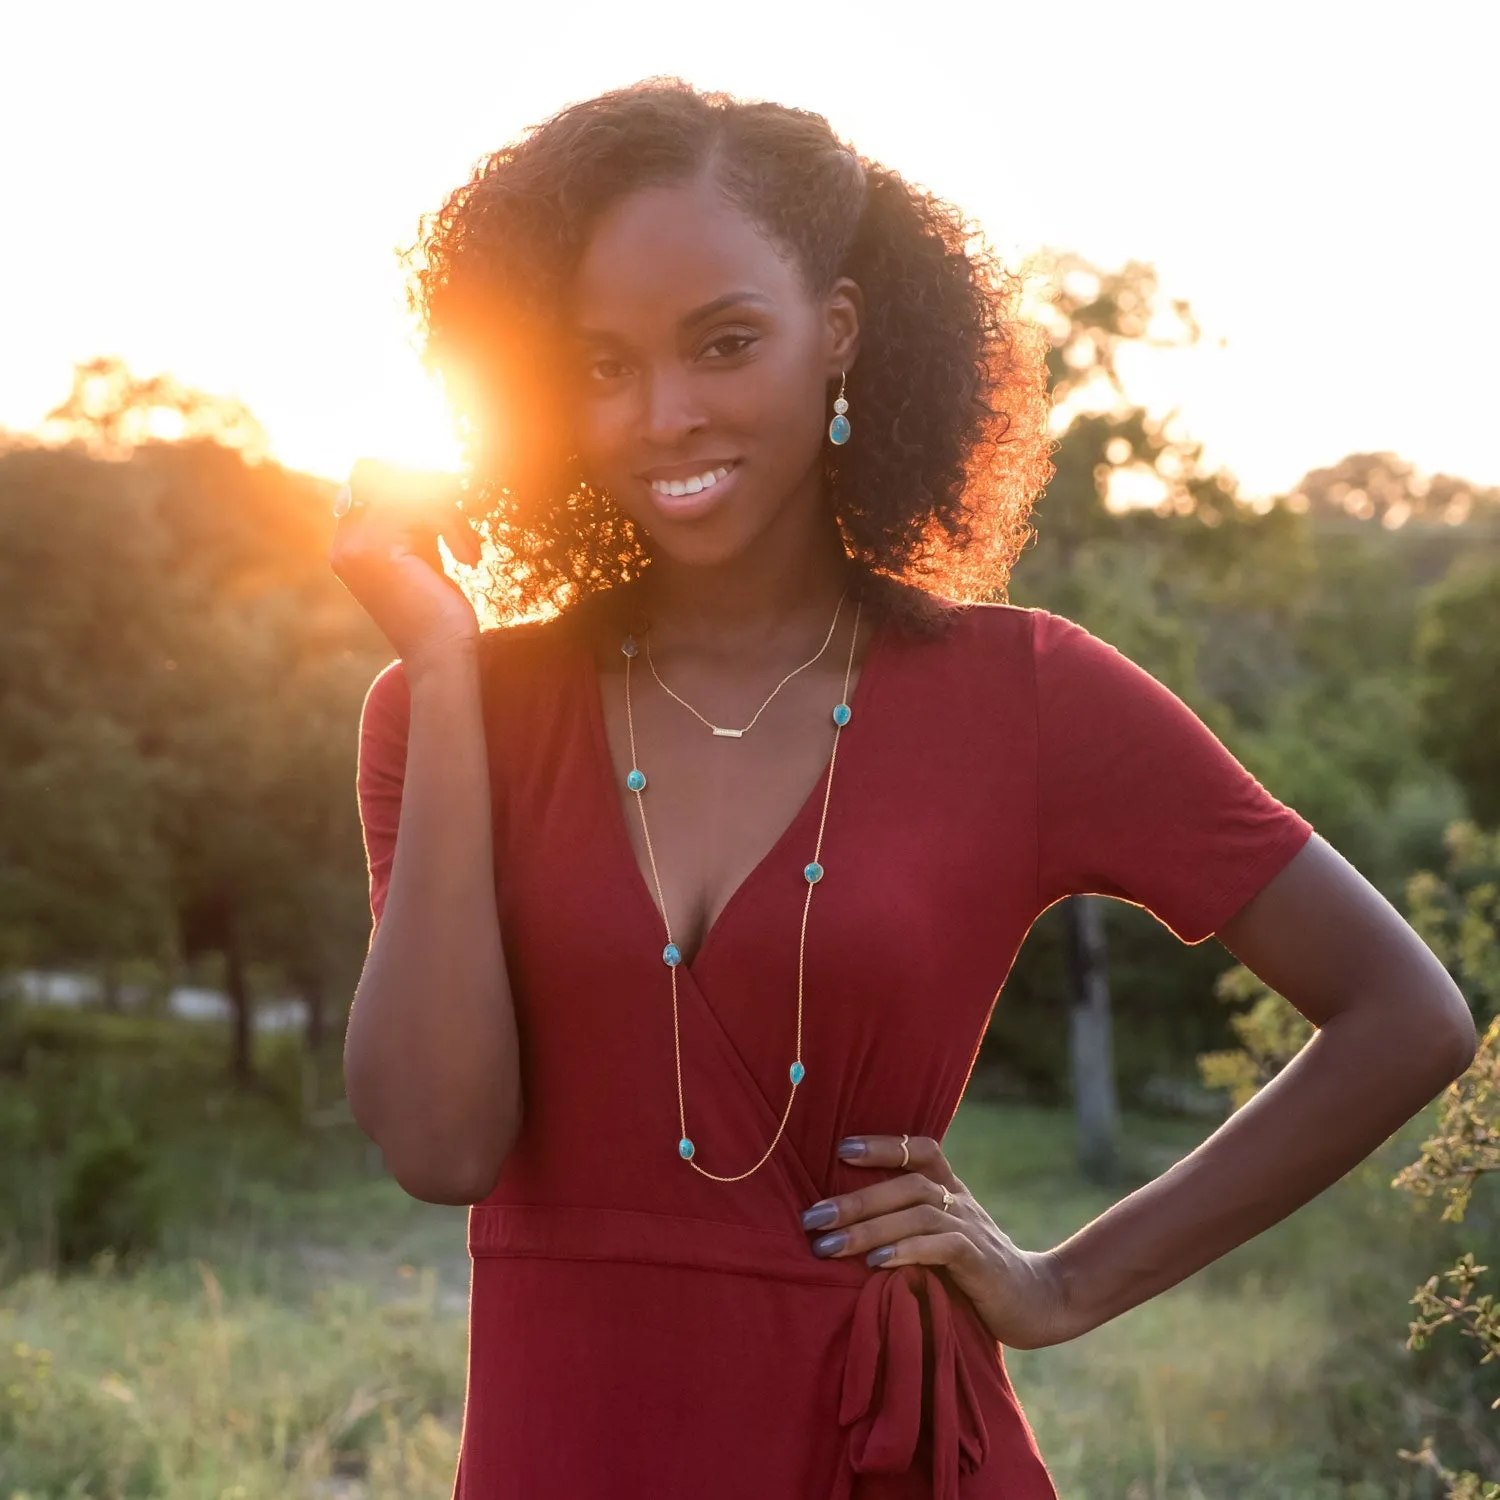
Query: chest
718	808
879	977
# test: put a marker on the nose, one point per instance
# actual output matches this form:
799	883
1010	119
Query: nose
674	406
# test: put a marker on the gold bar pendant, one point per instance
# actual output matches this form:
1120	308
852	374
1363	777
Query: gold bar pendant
729	734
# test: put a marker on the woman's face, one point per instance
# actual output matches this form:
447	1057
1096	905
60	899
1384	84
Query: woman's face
695	349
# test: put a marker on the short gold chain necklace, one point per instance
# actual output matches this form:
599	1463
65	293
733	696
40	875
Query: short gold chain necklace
735	734
812	873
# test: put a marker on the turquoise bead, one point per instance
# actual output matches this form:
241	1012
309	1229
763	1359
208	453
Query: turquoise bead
842	714
636	781
838	429
814	873
798	1072
685	1149
671	955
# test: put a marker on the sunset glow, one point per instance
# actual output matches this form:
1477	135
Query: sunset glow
243	231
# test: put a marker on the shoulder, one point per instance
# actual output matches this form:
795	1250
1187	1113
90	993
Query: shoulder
505	653
539	648
965	628
1036	656
387	702
511	658
1052	645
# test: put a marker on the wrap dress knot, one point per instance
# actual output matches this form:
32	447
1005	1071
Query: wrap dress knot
905	1368
890	1351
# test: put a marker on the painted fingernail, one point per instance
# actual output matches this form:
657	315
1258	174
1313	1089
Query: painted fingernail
820	1215
880	1256
830	1244
852	1148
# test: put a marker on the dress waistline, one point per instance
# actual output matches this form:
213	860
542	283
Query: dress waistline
905	1325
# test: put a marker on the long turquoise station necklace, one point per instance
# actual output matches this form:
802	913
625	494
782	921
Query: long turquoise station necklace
812	872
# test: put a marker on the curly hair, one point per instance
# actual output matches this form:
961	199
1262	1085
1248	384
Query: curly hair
950	389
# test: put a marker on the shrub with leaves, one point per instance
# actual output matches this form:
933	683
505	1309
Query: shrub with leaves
1457	914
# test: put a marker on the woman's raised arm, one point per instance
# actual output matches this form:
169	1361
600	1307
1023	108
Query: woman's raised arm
431	1060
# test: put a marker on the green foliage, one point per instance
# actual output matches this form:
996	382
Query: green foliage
1456	914
326	1346
1458	652
184	678
175	1383
106	1200
1270	1034
125	1133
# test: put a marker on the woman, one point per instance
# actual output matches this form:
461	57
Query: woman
692	900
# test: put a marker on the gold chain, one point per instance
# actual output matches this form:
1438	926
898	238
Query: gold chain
734	734
637	783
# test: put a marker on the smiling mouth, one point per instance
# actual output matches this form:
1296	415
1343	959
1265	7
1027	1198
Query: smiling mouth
695	484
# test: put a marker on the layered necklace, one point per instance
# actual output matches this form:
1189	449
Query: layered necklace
812	872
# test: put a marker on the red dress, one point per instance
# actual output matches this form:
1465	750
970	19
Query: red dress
638	1331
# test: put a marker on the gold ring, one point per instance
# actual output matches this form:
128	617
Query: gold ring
905	1154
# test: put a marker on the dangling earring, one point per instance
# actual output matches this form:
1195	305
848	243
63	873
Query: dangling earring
838	429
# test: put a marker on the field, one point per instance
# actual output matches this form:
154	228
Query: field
311	1342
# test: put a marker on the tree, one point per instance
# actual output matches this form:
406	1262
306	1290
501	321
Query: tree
1458	915
1087	567
1458	654
82	867
184	670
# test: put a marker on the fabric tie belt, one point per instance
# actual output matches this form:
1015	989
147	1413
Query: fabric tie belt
904	1338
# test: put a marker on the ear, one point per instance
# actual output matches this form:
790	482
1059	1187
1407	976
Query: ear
843	312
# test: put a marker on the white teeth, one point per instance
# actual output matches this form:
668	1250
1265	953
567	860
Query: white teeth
689	486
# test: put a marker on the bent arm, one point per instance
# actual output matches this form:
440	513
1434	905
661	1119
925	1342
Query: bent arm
1394	1031
431	1059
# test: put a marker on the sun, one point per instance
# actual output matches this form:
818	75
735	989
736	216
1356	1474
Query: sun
396	413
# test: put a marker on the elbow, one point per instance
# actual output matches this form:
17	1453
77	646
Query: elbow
436	1175
1444	1040
457	1183
431	1187
1453	1023
1464	1045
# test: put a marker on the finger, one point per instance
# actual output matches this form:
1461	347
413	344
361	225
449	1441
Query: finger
883	1229
425	546
923	1154
458	531
416	502
951	1248
880	1198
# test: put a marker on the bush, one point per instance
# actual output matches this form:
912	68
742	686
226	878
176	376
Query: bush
108	1198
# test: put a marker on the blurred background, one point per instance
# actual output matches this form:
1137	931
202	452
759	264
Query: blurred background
1261	242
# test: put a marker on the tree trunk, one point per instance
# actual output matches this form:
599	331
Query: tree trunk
317	1024
240	1063
1090	1051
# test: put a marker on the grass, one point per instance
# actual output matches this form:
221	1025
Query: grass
1240	1381
315	1346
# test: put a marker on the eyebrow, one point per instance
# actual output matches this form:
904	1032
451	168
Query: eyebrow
697	315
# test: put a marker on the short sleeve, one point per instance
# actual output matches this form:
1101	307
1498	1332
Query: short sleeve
382	769
1137	798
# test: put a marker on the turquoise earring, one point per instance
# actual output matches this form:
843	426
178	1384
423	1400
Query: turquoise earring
838	429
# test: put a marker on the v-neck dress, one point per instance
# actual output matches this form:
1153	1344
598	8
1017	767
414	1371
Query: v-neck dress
638	1331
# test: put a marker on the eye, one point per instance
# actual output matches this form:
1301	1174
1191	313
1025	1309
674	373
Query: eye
594	366
743	340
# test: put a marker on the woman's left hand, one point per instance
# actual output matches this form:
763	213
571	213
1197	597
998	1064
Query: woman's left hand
1017	1293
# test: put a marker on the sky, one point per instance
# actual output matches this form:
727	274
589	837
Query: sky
220	193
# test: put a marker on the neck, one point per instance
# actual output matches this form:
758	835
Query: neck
780	584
